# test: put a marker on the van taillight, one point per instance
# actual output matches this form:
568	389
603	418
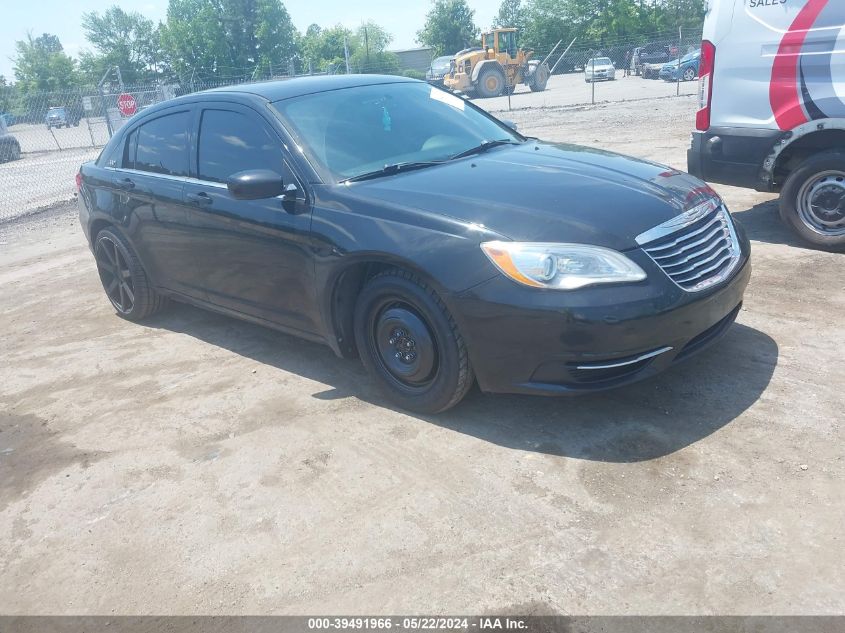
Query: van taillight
705	85
79	181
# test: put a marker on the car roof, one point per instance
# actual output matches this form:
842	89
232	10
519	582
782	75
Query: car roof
288	88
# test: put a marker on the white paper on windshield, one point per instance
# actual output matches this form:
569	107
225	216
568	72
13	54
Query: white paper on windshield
445	97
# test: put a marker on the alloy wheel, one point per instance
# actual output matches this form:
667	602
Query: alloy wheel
115	275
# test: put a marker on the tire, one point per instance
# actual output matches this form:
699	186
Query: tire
812	201
410	345
491	82
539	78
124	280
689	74
10	152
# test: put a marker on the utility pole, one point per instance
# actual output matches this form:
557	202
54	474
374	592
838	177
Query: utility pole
346	53
367	42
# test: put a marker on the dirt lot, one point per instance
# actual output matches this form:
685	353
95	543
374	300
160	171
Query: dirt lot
196	464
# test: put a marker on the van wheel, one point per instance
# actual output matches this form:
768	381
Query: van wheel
410	345
491	82
124	279
812	201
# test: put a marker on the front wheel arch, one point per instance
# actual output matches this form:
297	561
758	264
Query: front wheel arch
338	304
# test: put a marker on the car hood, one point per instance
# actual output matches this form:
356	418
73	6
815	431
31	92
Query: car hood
599	66
545	192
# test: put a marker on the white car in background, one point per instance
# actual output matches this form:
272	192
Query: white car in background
599	69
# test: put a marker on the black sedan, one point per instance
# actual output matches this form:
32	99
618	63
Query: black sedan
394	221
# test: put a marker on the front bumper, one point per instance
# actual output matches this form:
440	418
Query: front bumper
522	340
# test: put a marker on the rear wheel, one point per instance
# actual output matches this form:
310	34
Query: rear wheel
491	82
410	344
124	279
812	201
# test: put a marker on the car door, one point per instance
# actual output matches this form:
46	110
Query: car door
252	256
149	175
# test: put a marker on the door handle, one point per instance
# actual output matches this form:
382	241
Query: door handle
126	184
200	199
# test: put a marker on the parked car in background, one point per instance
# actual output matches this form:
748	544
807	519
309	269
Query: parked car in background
651	71
772	110
599	69
439	68
61	117
413	230
8	118
685	69
652	53
10	148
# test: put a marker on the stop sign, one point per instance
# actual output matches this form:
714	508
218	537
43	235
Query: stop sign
126	104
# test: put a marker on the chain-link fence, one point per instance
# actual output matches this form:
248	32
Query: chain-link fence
44	137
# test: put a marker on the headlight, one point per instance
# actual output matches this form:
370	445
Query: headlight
561	266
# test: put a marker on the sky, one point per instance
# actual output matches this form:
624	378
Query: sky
62	17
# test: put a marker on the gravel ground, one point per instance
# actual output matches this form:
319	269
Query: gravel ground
196	464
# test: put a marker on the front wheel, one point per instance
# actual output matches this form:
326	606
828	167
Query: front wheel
410	345
689	74
812	201
491	83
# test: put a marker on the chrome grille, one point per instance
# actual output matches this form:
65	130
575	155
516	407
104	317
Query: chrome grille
697	254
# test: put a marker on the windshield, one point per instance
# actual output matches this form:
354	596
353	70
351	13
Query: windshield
56	111
441	62
354	131
691	56
600	61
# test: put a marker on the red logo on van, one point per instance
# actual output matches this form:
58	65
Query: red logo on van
785	89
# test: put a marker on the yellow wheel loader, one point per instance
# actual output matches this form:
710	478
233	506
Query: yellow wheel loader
496	68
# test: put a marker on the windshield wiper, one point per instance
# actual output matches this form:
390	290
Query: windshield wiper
393	168
480	149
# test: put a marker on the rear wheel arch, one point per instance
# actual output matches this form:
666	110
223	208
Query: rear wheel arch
801	143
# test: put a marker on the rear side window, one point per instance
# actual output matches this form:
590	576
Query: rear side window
160	146
230	142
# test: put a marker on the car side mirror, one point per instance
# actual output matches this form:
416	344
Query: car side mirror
255	184
510	124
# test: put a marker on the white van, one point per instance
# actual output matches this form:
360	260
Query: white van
772	108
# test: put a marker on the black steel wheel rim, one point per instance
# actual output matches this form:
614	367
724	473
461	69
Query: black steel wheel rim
404	345
115	275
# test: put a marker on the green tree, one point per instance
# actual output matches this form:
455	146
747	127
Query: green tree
368	50
511	13
225	39
126	40
449	27
42	65
324	48
546	22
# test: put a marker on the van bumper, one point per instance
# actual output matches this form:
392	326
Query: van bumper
733	156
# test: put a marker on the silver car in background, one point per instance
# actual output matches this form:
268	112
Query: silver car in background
599	69
439	68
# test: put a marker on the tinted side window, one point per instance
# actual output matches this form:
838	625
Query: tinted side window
230	142
162	145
